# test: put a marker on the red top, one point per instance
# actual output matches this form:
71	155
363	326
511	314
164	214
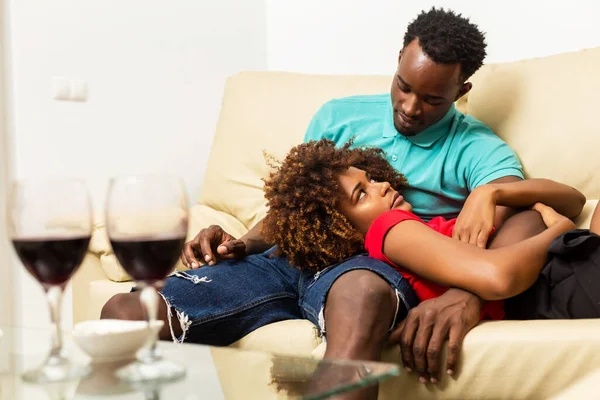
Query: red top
423	288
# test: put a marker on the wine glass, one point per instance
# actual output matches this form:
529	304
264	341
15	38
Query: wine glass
50	224
147	221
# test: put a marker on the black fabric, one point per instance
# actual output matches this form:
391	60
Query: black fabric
569	285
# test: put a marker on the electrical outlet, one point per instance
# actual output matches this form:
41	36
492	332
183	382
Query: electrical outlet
78	91
69	90
61	88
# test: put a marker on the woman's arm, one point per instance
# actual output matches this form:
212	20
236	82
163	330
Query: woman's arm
564	199
490	274
595	224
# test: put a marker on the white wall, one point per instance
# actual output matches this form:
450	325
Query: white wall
155	71
6	268
363	37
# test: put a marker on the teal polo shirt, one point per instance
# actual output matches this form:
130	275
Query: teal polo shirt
442	164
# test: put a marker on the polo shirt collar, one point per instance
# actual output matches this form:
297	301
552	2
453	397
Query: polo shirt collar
389	130
425	138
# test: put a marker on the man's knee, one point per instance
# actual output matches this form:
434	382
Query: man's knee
361	288
125	306
358	313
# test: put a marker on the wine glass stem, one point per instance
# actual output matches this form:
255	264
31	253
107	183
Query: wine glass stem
54	295
149	299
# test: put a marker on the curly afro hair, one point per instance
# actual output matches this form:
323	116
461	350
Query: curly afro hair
448	38
302	195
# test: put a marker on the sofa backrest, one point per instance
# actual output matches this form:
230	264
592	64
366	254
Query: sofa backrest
546	110
543	108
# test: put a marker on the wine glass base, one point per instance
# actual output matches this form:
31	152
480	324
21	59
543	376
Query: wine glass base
156	371
56	370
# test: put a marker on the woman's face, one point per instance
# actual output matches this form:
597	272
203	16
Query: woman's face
363	199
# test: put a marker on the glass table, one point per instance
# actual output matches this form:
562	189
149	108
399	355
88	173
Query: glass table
212	373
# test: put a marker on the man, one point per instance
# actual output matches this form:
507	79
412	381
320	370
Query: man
444	156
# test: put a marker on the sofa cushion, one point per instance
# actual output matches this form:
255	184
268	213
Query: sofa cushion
545	109
584	219
584	388
507	360
266	111
294	337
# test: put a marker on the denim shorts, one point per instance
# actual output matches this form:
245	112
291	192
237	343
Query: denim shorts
220	304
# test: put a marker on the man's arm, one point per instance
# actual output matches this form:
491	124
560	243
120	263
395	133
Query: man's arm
486	159
564	199
254	241
452	315
503	213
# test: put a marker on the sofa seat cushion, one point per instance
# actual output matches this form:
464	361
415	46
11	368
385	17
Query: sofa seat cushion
585	218
295	337
507	360
584	388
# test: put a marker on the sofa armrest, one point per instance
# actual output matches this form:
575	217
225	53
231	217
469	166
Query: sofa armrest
89	271
100	247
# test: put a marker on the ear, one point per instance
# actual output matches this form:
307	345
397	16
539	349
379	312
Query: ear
464	89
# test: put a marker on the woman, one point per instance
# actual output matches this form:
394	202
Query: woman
328	203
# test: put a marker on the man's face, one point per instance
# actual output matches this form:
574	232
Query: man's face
422	90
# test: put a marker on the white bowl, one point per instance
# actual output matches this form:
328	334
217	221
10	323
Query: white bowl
112	339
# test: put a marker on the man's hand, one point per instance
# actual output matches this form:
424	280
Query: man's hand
426	328
476	220
212	245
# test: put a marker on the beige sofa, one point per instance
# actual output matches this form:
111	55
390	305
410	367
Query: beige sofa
544	108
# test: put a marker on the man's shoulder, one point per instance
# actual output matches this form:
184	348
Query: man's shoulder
343	117
468	123
478	144
352	108
470	130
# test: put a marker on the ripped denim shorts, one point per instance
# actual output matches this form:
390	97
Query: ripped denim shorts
220	304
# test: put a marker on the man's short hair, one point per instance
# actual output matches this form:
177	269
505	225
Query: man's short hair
448	38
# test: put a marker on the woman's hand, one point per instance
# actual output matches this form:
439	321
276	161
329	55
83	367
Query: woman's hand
551	217
476	220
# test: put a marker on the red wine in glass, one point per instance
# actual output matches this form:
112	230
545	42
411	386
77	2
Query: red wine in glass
52	261
50	225
146	223
148	259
